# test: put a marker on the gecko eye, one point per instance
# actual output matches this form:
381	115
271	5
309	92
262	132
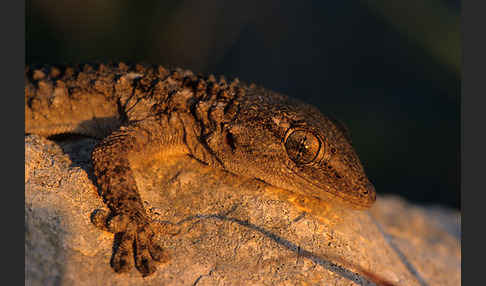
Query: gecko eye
302	146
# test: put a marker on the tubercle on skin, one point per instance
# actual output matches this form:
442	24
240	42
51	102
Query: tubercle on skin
144	100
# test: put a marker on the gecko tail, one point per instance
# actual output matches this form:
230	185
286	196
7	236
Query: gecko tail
57	104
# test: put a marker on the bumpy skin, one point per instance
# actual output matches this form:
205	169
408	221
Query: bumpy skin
141	111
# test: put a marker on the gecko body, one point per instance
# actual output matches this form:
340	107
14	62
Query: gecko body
142	111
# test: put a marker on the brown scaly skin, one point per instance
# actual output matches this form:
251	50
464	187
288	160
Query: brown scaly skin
142	111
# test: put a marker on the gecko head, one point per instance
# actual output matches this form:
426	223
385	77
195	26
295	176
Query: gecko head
291	145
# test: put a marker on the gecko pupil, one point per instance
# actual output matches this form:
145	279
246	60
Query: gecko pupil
302	146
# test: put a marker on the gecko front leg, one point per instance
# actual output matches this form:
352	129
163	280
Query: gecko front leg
116	183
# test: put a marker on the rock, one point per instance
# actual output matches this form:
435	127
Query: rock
227	230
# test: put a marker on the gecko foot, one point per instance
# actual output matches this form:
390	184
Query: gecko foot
133	236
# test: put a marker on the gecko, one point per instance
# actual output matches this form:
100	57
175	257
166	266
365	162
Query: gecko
141	111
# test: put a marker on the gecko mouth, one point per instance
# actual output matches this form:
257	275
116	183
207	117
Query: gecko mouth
360	196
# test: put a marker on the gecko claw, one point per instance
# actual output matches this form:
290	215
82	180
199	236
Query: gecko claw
134	242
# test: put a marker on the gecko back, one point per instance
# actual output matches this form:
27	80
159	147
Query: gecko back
70	100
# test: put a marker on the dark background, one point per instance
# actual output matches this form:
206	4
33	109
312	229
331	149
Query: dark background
390	70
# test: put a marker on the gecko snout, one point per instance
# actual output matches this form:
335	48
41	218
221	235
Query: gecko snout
368	191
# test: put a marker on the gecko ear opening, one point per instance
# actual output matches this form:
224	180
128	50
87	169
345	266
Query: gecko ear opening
229	140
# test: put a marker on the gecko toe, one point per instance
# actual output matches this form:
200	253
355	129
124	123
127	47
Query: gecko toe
122	260
156	250
134	240
143	259
158	253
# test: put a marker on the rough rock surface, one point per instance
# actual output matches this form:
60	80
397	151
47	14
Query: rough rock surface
221	229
